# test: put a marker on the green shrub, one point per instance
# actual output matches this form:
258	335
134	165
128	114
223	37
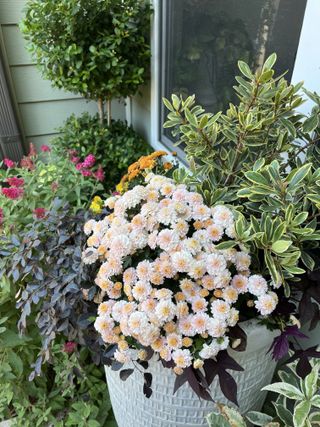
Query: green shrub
115	147
99	49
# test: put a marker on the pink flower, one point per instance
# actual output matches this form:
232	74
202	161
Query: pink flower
15	181
27	163
69	347
86	172
99	174
75	159
80	166
32	152
54	186
9	163
45	148
39	213
89	161
12	193
72	152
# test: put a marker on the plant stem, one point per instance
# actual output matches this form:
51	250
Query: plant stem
109	111
101	112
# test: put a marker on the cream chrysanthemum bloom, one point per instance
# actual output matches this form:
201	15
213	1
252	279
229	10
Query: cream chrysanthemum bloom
165	282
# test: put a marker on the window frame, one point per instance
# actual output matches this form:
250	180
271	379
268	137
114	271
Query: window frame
306	67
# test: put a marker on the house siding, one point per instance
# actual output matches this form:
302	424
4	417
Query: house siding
42	108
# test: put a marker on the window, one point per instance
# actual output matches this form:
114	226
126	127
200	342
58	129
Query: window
202	41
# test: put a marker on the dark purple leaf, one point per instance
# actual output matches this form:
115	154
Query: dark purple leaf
180	380
228	386
147	391
279	347
236	333
143	363
316	317
303	367
116	366
225	361
280	344
125	373
147	379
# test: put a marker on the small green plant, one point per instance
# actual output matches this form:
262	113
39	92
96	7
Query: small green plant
249	157
69	386
27	190
99	49
297	403
115	147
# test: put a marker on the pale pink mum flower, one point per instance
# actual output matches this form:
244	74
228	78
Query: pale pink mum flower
174	341
220	309
215	264
240	283
182	358
215	232
181	261
199	304
257	285
199	322
266	303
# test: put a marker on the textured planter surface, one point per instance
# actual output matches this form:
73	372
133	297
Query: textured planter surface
164	409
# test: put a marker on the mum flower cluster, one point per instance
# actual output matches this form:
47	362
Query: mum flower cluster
86	167
166	283
15	189
152	162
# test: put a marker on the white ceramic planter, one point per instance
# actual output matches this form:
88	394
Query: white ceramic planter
185	409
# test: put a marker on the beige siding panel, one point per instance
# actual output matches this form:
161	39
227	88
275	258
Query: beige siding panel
141	114
11	11
42	139
30	87
17	53
46	117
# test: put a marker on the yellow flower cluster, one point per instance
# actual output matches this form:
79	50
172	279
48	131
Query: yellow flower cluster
137	168
96	205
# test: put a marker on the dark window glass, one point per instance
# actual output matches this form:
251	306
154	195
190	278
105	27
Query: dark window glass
202	41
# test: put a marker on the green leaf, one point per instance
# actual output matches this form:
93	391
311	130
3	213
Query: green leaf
245	69
315	198
315	401
301	217
176	101
281	246
283	413
258	418
286	390
215	420
301	412
315	418
191	117
167	104
225	245
310	124
234	417
257	178
310	382
16	363
307	260
298	175
270	61
258	164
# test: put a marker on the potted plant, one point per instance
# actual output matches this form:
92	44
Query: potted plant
99	50
193	265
